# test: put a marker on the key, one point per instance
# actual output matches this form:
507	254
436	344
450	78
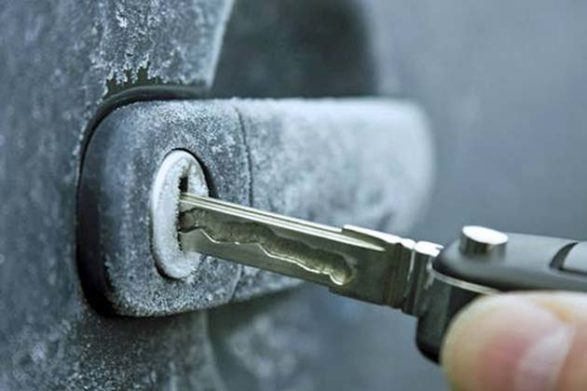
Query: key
422	279
356	262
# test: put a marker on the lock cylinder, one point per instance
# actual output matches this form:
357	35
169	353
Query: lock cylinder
179	172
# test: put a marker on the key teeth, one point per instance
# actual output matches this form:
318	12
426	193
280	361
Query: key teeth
336	276
257	246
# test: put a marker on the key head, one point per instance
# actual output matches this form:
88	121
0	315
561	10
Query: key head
484	261
526	262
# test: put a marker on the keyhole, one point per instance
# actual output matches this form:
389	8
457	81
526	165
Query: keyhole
183	184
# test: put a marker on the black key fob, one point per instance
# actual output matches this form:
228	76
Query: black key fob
485	261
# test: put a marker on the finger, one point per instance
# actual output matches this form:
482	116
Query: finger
532	341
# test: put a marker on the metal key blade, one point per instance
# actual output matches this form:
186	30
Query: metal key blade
368	265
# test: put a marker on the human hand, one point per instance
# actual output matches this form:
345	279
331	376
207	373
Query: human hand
525	341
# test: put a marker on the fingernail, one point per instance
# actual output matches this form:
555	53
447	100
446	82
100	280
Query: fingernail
540	366
507	342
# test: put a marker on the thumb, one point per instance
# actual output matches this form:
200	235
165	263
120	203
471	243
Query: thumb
527	341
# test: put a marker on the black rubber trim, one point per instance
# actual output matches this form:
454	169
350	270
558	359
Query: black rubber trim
129	96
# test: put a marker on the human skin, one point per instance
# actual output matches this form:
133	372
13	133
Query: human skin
519	342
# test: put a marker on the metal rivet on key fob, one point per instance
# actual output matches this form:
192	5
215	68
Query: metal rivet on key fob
481	240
